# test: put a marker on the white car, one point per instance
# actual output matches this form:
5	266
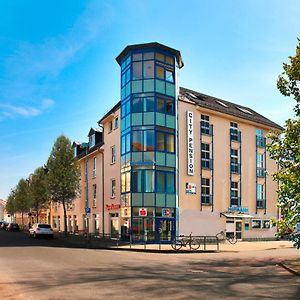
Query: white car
39	230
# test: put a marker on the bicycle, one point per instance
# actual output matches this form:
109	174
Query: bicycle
222	236
185	241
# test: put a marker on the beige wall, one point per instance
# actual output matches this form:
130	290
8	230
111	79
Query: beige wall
206	221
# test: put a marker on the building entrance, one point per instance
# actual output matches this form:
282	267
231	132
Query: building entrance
165	230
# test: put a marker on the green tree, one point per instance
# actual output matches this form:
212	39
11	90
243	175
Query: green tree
11	203
63	174
39	190
22	197
284	148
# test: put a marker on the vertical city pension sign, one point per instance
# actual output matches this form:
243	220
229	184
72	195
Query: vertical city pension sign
190	142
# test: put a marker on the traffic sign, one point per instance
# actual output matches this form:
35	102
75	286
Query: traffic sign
143	212
165	212
87	210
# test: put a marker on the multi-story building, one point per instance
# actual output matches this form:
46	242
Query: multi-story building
167	160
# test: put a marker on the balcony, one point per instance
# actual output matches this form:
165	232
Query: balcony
235	135
235	201
206	199
260	203
206	163
260	172
235	168
260	141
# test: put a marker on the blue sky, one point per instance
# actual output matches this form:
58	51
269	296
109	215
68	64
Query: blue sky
58	73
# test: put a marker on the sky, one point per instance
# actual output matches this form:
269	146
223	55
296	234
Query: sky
58	73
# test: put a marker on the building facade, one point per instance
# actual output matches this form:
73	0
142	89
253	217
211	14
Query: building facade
167	160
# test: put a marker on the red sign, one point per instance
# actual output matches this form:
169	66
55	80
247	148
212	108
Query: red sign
165	212
143	212
112	206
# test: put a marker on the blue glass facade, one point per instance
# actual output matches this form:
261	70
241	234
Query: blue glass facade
148	141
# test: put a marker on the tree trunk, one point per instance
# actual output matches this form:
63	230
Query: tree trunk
37	214
65	217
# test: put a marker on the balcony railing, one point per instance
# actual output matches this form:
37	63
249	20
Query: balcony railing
206	199
235	201
235	168
260	172
235	135
260	141
260	203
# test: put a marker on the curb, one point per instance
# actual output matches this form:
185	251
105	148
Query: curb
291	270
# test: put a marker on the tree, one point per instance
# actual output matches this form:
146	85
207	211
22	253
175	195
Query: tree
63	174
38	190
22	197
11	203
284	148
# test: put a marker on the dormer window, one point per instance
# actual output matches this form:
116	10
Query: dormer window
92	140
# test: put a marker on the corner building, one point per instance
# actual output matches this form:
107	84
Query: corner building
178	162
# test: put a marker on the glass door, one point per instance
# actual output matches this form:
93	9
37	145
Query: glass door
238	230
165	230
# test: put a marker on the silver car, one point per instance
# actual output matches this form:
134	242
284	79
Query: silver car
41	230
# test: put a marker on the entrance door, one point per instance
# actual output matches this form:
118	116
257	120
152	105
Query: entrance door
165	230
238	230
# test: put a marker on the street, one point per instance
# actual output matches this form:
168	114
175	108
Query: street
46	269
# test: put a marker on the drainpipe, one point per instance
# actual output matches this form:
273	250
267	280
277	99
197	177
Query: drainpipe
102	152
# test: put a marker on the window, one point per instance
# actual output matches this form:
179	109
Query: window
113	154
92	140
261	224
148	181
260	170
160	182
165	182
205	125
205	156
234	194
160	141
205	191
142	181
234	161
148	69
94	194
125	182
165	142
94	166
116	123
260	139
113	188
149	140
170	76
137	70
260	203
234	132
170	142
256	224
110	126
165	105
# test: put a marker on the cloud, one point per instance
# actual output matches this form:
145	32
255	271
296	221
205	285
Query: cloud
13	111
30	72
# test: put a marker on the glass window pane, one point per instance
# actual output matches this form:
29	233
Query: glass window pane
149	181
159	56
127	142
127	187
137	105
137	86
123	185
160	72
149	104
169	60
137	56
170	142
127	107
149	85
160	181
136	181
137	70
160	141
169	76
149	69
170	177
170	106
149	55
160	105
137	141
149	142
160	86
123	148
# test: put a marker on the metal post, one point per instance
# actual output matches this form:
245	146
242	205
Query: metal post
204	243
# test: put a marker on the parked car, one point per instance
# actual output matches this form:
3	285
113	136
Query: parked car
4	225
12	227
41	230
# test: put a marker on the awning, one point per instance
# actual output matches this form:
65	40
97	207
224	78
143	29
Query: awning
232	215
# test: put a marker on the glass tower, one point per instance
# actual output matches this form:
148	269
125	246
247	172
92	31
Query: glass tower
149	198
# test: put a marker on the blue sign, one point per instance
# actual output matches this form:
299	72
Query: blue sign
238	209
87	210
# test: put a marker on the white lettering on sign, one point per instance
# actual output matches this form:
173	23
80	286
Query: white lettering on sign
190	143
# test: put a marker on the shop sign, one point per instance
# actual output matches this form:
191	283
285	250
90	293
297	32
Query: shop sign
165	212
112	206
190	188
190	143
239	209
143	212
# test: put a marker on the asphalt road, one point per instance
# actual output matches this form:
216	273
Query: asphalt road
47	269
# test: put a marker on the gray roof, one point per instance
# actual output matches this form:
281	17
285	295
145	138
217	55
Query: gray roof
227	107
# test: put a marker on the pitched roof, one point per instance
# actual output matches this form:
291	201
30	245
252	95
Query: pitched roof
226	107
